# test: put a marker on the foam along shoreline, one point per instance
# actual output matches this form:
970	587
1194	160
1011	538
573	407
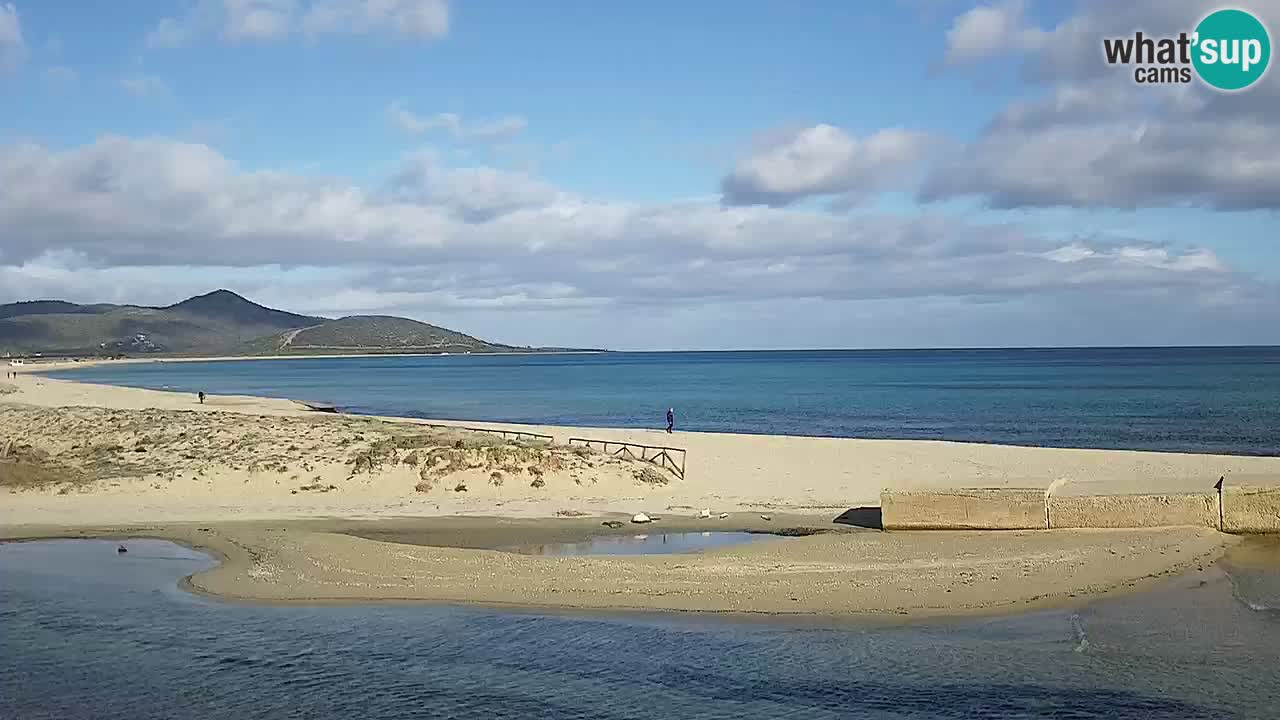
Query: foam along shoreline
843	574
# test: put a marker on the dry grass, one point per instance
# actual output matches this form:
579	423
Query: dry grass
27	468
104	444
650	475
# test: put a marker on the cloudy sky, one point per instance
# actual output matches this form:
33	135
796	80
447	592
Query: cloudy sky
656	175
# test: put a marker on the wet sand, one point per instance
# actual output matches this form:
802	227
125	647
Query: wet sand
842	573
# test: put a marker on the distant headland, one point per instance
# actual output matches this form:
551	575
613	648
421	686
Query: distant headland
219	323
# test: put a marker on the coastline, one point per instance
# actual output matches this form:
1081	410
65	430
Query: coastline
214	466
41	366
825	578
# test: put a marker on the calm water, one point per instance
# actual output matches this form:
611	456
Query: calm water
1189	399
645	544
85	633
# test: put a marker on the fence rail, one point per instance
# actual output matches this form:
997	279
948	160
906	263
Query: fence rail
663	457
517	434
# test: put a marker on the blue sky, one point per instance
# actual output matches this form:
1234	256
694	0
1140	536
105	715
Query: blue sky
533	171
626	82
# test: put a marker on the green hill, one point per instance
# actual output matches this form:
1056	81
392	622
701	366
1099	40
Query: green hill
381	333
217	323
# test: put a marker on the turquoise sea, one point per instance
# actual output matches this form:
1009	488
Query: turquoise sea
1220	400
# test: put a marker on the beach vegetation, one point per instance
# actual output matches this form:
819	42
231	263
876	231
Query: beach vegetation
26	467
86	444
650	475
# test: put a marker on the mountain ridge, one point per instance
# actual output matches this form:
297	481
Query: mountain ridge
220	322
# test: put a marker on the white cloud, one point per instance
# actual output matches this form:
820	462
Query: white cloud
411	18
238	21
509	256
1095	138
13	49
143	85
480	237
495	130
989	30
169	33
823	160
474	194
256	20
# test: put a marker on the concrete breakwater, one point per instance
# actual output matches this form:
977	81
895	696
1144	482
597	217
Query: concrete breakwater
1231	508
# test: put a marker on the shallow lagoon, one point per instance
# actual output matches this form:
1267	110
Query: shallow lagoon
88	633
655	543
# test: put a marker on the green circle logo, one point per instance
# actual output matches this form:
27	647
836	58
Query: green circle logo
1232	49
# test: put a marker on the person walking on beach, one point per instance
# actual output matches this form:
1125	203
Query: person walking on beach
201	396
671	419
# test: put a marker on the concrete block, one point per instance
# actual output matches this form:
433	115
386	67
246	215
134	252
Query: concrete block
976	509
1250	509
1134	511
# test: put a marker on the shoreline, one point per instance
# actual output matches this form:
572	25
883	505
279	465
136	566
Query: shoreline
42	366
279	489
240	553
567	430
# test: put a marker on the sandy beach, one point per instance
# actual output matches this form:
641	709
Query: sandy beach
309	506
835	573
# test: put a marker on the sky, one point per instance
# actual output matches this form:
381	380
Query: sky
659	175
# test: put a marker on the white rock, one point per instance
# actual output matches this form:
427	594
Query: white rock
705	513
724	515
641	518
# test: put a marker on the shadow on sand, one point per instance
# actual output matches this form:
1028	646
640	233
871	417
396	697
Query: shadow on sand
863	517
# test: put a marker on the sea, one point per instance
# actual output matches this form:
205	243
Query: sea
1208	399
88	633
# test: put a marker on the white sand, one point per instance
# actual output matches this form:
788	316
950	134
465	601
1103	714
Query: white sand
724	472
161	464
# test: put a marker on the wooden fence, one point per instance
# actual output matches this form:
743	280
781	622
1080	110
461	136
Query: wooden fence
663	457
517	434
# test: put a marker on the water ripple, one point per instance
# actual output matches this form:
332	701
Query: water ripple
73	645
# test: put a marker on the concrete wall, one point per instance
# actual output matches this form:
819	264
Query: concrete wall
1251	509
1243	510
995	509
1133	511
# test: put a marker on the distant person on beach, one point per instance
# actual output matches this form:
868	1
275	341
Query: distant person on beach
671	419
201	396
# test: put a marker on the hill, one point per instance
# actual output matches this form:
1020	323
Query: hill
227	306
216	323
381	333
44	307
